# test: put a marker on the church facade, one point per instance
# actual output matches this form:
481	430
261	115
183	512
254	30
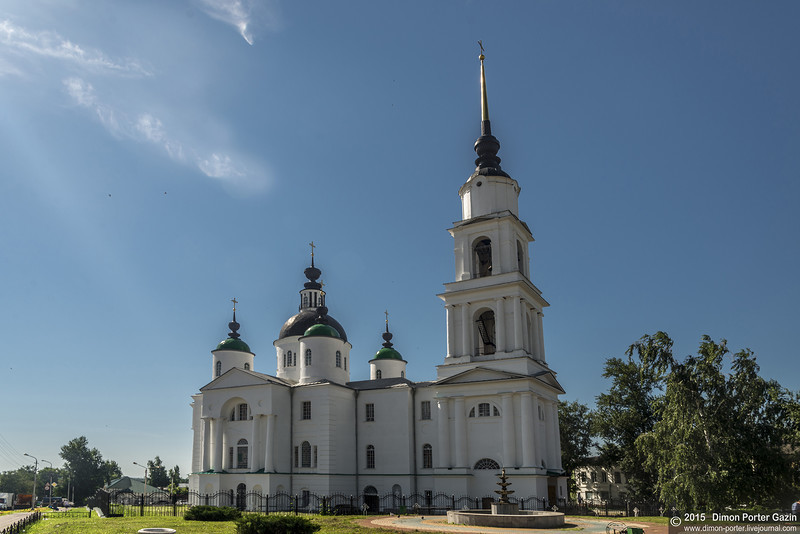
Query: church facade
308	428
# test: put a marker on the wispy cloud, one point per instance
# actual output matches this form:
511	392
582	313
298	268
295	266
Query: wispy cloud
241	14
51	45
148	128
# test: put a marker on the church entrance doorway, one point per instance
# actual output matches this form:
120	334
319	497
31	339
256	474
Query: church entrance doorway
371	499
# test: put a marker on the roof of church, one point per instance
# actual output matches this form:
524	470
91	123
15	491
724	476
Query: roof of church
298	324
322	330
233	344
387	353
381	383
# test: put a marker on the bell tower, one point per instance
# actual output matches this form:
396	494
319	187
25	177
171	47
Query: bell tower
494	311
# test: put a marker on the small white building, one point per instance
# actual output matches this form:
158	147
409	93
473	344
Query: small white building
594	483
304	426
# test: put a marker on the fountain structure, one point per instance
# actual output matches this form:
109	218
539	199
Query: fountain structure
506	514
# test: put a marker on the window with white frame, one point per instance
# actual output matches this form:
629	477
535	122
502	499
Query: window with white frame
427	456
370	411
338	358
425	410
305	454
370	457
241	453
308	357
306	410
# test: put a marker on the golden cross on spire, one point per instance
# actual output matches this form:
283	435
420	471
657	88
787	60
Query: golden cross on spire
386	313
480	43
312	245
235	302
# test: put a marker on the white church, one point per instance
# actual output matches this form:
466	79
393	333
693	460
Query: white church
307	428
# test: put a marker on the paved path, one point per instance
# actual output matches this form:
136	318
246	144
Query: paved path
9	519
439	524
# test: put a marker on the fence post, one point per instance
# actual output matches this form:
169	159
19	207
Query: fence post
266	507
141	506
296	498
453	501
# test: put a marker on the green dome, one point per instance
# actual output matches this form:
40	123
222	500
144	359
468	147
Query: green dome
322	330
387	354
233	344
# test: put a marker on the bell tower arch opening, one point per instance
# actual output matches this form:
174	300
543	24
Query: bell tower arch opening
486	332
482	257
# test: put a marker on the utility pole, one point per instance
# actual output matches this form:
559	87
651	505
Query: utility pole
35	469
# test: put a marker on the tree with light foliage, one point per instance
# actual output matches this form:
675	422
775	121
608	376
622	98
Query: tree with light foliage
575	429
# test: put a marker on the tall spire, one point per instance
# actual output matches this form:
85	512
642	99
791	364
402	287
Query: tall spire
487	145
387	336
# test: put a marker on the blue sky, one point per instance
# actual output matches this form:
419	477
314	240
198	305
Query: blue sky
160	158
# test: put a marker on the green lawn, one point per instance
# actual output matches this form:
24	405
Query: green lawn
130	525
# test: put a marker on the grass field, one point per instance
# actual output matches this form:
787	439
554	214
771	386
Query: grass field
130	525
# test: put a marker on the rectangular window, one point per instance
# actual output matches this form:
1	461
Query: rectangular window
306	410
241	457
604	478
296	456
483	409
370	412
338	359
345	363
370	457
315	456
425	410
583	477
594	476
243	412
617	477
230	457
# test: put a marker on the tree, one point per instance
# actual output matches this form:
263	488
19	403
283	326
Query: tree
575	428
158	473
18	481
86	467
722	435
629	409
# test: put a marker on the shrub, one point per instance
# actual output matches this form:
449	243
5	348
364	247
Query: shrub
212	513
275	524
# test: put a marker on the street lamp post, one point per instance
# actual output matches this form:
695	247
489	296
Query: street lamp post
35	469
51	481
144	489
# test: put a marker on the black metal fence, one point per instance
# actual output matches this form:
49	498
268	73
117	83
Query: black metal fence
20	525
126	503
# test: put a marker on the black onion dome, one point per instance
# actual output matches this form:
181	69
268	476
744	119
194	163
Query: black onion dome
297	325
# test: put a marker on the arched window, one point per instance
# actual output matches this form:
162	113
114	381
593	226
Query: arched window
218	369
338	358
305	301
241	453
370	457
427	456
240	413
482	256
402	374
247	367
520	258
485	410
305	454
486	332
308	357
486	463
378	374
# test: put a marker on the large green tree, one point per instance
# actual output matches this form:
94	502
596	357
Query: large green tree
17	481
723	433
158	473
629	409
575	429
87	468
